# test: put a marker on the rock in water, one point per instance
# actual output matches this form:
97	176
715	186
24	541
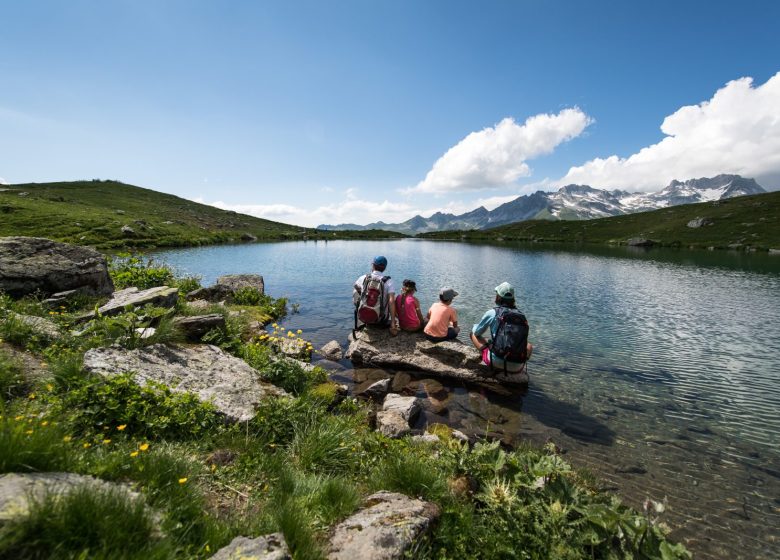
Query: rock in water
332	351
269	547
35	264
376	347
229	383
383	530
237	281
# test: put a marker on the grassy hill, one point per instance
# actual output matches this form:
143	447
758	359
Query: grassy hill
742	222
94	213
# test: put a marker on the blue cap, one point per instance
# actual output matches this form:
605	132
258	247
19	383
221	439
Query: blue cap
380	261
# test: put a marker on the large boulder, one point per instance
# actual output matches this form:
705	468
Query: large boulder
238	281
229	383
269	547
35	264
453	359
160	296
384	529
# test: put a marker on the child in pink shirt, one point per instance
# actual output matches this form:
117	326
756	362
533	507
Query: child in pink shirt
407	308
442	318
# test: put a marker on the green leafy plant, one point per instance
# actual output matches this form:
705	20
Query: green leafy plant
152	410
127	270
292	377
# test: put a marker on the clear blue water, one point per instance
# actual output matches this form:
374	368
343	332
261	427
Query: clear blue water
659	370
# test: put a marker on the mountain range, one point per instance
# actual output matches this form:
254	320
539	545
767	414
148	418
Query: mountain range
572	202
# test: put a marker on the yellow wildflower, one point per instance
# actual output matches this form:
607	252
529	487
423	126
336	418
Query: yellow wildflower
66	439
49	387
17	418
106	441
121	427
208	548
143	446
31	396
183	480
45	423
28	432
87	445
299	331
134	454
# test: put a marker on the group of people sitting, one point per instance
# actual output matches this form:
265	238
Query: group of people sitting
501	335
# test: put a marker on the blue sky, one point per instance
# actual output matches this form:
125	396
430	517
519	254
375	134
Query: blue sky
346	111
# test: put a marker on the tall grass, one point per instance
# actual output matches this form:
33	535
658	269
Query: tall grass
28	444
86	522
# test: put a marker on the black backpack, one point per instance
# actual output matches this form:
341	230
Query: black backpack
510	341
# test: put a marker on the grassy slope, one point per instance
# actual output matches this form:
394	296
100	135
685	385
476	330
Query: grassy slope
93	213
750	221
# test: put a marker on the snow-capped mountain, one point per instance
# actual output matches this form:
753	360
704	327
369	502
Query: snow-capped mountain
574	202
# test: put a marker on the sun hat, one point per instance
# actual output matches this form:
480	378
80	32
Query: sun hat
380	261
447	294
505	290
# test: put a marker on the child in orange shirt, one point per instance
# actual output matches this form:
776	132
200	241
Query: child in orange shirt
442	318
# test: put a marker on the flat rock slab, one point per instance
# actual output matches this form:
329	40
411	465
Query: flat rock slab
39	325
35	264
160	296
407	407
269	547
229	383
376	347
383	530
18	491
238	281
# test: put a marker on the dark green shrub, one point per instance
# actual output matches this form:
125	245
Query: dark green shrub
292	377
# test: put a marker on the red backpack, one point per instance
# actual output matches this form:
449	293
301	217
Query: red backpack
370	308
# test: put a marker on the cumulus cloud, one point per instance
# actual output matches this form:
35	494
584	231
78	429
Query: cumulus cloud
350	210
737	131
496	156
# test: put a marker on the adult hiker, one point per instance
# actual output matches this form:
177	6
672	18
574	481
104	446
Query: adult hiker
372	295
501	335
442	318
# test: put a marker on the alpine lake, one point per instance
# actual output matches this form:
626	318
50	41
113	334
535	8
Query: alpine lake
656	370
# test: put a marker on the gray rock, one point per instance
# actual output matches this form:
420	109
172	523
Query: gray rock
332	351
196	326
39	325
145	332
390	423
216	293
460	436
229	383
426	438
383	530
376	391
160	296
18	491
699	222
32	264
407	407
640	242
60	298
127	230
376	347
199	304
269	547
237	281
248	237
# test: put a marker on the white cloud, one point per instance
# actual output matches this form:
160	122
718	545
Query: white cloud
737	131
496	156
4	182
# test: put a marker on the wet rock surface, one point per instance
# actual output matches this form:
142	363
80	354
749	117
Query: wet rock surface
452	359
383	530
268	547
35	264
229	383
